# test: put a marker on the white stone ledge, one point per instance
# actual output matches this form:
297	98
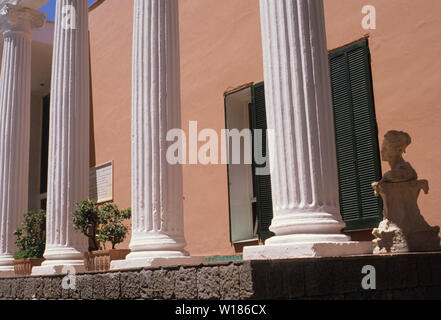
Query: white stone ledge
308	250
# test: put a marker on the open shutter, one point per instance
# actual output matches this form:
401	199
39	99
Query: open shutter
356	136
262	183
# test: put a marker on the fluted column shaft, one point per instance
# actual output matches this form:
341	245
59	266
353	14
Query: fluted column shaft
68	171
299	109
1	49
157	223
17	23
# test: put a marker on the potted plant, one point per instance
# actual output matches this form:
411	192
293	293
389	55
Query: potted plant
102	224
86	220
31	240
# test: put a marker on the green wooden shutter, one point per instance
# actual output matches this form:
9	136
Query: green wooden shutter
356	135
262	184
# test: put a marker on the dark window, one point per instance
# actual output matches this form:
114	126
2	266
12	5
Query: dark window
44	151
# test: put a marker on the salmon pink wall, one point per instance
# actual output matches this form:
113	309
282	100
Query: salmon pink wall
221	49
406	67
111	68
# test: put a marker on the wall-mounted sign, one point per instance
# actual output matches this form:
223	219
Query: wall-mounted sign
101	183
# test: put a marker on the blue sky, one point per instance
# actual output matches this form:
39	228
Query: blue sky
49	8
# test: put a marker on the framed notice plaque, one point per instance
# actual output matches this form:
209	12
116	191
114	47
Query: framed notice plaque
101	183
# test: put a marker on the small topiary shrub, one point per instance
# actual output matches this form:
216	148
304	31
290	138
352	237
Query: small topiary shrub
101	224
31	236
86	220
111	227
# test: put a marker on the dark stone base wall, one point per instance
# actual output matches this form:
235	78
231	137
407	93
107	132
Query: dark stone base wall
410	276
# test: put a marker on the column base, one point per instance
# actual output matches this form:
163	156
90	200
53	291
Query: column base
307	250
155	262
7	266
61	260
50	270
7	272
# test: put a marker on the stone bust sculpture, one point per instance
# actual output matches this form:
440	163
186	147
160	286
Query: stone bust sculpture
394	145
403	228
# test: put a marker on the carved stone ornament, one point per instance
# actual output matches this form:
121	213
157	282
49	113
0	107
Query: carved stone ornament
18	18
403	228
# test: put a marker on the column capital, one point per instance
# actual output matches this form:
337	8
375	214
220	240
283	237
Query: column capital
18	18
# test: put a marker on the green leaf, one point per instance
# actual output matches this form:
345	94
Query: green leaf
31	236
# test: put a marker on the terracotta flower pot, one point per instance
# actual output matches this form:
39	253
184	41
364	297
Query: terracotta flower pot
100	260
24	267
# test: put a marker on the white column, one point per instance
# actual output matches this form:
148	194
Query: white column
17	23
157	204
68	172
307	220
1	48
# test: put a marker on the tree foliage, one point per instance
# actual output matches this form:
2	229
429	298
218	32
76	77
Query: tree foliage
31	236
86	220
101	223
111	227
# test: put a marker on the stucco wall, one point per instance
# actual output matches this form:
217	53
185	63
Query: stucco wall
406	67
111	68
221	48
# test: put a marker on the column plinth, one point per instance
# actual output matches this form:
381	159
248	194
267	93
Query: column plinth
157	197
307	220
17	23
68	169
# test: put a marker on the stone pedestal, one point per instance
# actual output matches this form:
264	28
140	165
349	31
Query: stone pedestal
17	23
303	160
157	198
68	172
404	228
